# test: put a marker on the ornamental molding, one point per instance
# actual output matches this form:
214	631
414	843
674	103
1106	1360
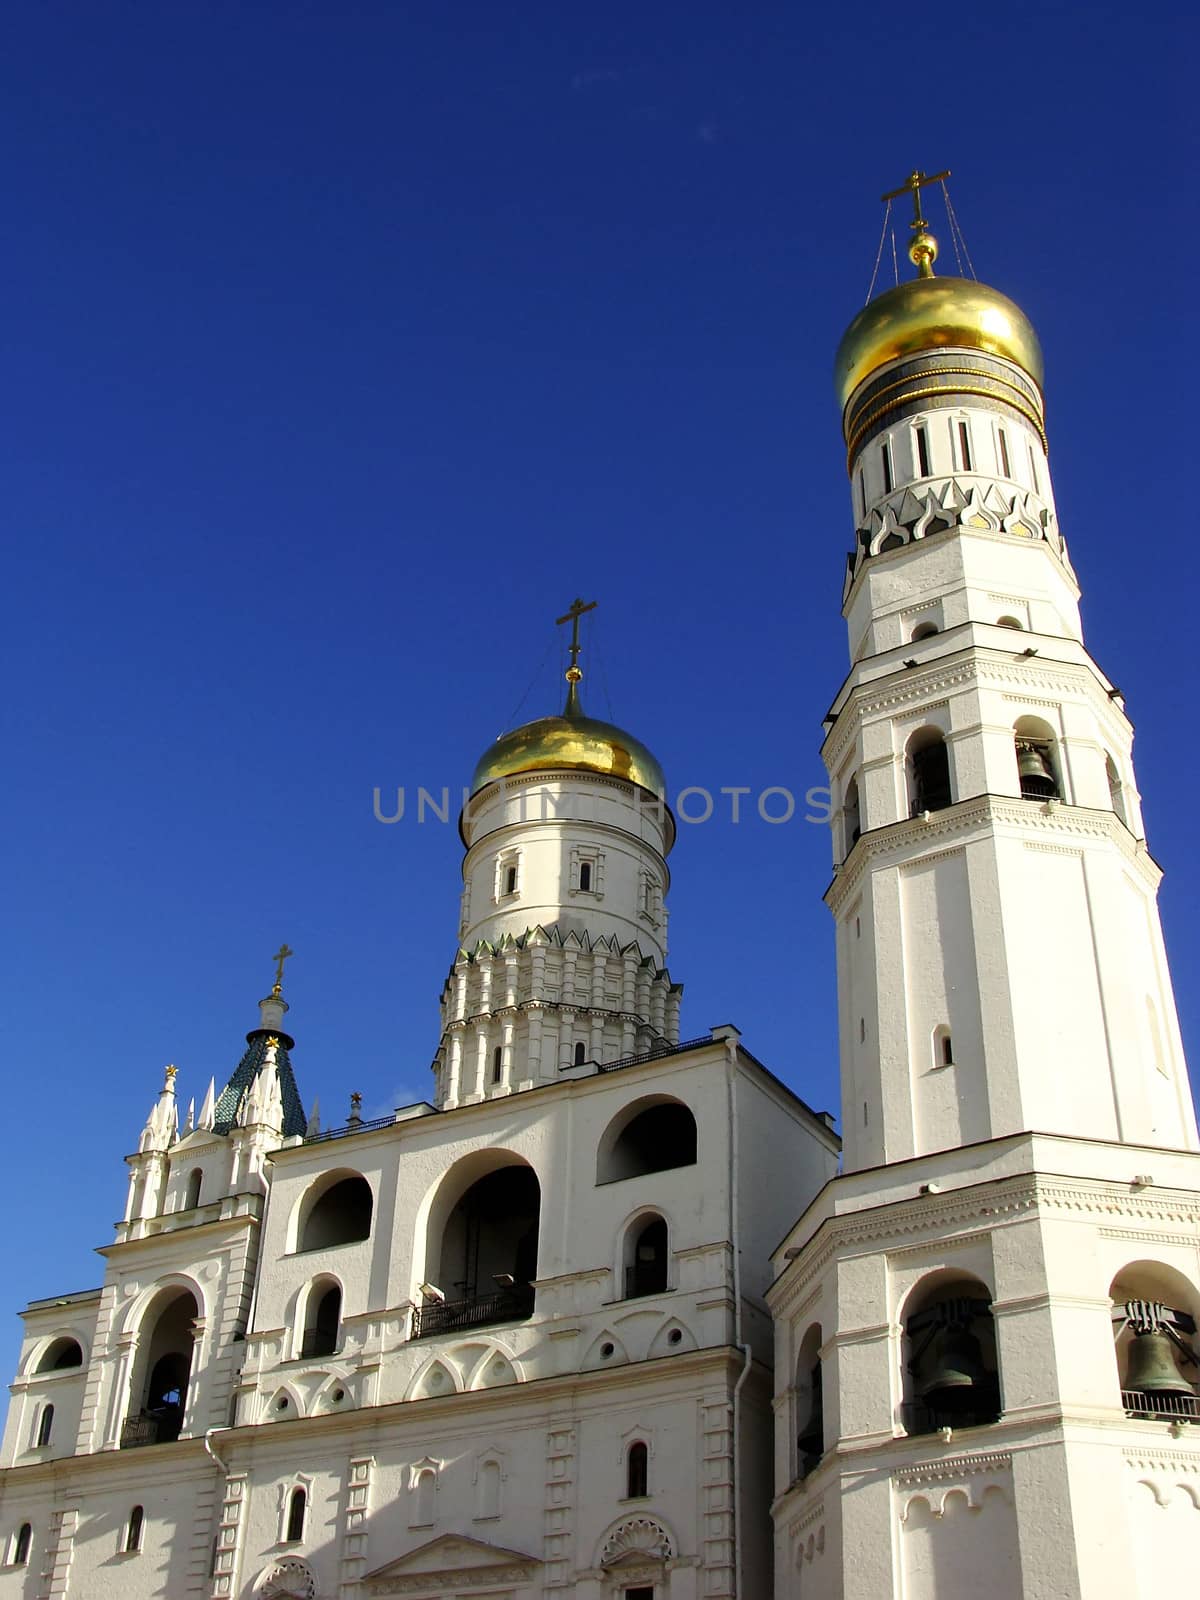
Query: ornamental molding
1163	1461
952	1467
800	1525
289	1578
452	1561
637	1537
935	855
1148	1236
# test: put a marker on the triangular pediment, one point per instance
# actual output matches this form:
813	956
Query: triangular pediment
452	1560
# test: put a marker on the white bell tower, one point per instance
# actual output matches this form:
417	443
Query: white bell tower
962	1332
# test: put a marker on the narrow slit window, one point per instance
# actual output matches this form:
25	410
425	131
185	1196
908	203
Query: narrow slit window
1033	471
946	1050
638	1471
133	1532
21	1544
885	456
964	447
510	880
1002	442
923	451
862	493
497	1064
585	877
295	1525
45	1426
580	1053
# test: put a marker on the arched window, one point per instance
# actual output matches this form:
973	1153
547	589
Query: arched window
649	1136
647	1258
481	1251
924	630
341	1214
1009	622
60	1355
191	1198
928	772
1154	1332
45	1426
322	1320
1037	770
1116	790
21	1544
851	817
297	1507
167	1338
951	1378
424	1498
585	876
580	1052
637	1471
133	1530
810	1411
943	1047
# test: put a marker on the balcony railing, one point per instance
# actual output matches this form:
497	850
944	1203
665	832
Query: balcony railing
1166	1404
317	1344
477	1311
645	1277
149	1427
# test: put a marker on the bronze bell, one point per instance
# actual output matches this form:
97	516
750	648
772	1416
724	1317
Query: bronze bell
953	1372
1035	772
1152	1368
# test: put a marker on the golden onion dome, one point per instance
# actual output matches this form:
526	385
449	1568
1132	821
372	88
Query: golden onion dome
570	743
929	313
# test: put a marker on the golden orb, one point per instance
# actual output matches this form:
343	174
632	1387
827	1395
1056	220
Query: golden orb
570	744
927	314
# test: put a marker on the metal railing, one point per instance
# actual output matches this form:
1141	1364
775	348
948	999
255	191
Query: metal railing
477	1311
148	1427
317	1344
652	1055
1169	1404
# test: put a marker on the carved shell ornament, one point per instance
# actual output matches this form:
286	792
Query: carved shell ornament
637	1536
289	1578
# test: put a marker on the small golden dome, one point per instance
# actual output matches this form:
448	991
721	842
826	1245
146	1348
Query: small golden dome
572	743
930	314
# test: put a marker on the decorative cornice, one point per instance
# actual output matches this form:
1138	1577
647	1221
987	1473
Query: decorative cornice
954	1467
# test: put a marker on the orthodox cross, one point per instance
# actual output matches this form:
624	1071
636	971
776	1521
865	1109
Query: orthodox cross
577	609
279	958
913	184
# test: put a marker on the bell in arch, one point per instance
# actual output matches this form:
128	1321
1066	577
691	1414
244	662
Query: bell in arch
953	1376
1152	1368
1035	772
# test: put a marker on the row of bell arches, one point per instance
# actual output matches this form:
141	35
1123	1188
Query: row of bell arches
1040	771
950	1372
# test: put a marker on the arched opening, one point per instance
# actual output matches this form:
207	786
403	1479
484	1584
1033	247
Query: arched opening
21	1545
924	630
1037	768
322	1319
928	772
297	1506
637	1471
45	1426
646	1258
652	1135
483	1257
340	1213
487	1496
951	1378
580	1053
1154	1336
167	1340
1116	790
60	1355
810	1410
195	1183
943	1047
1009	622
851	817
133	1530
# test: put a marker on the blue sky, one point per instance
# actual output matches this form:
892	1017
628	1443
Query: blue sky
344	345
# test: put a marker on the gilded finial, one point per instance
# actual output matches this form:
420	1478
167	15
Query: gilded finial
923	249
272	1042
170	1073
574	672
280	956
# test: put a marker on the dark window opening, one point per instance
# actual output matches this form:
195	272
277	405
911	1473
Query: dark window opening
63	1353
323	1323
342	1215
133	1533
964	447
45	1425
497	1064
810	1441
930	777
646	1272
657	1139
952	1365
885	456
510	880
1036	770
21	1545
637	1475
924	630
580	1052
644	1591
487	1257
191	1198
922	453
296	1510
585	876
947	1050
1033	471
1005	468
